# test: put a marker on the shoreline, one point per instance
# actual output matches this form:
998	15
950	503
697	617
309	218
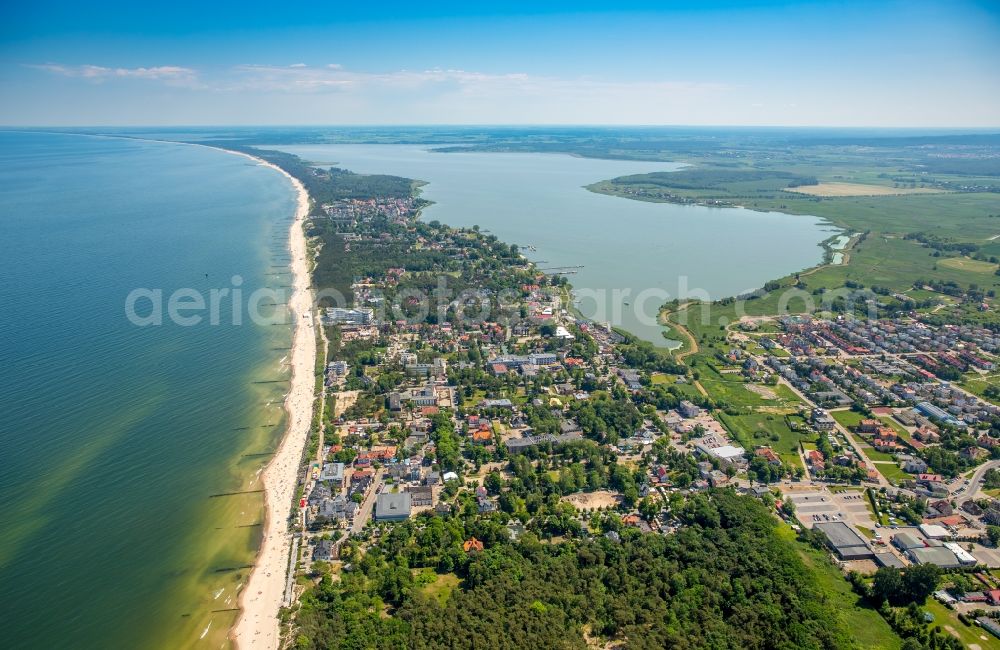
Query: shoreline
262	597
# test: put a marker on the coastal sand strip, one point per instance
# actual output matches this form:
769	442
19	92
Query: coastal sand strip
263	595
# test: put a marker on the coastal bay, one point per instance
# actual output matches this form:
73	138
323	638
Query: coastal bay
624	258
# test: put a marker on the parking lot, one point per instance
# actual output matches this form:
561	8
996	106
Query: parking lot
821	505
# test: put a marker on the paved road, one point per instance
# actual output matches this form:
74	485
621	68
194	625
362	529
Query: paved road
976	482
365	511
290	577
882	481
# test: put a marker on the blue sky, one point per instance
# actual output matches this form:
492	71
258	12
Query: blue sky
707	63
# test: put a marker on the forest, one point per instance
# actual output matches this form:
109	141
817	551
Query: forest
332	184
724	181
725	580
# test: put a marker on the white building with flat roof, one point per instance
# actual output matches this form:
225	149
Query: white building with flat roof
963	555
342	316
729	453
934	531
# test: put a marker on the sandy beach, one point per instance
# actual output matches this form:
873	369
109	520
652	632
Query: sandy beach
263	595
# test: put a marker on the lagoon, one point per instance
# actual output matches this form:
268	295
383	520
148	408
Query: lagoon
634	255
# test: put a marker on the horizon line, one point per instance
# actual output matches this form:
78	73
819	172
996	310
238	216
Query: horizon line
497	125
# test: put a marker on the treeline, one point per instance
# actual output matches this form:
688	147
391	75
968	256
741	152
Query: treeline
718	179
725	580
606	420
939	243
333	184
642	355
532	494
337	267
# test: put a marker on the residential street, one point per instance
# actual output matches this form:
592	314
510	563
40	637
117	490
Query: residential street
365	511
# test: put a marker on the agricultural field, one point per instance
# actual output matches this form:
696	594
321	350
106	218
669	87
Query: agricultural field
857	189
968	264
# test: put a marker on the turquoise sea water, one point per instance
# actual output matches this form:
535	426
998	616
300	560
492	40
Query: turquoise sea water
114	436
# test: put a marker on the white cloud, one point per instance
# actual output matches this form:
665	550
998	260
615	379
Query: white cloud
167	73
334	77
277	94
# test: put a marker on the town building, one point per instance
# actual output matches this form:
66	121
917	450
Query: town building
425	396
333	474
421	495
845	541
342	316
393	506
688	410
822	420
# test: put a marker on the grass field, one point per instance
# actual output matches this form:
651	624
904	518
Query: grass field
768	429
857	189
891	471
865	624
873	454
786	394
978	385
968	264
894	262
436	585
847	419
730	388
733	391
948	619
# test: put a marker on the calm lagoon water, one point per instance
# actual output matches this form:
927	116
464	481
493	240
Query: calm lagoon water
115	436
633	252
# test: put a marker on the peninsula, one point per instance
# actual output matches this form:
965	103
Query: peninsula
447	444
